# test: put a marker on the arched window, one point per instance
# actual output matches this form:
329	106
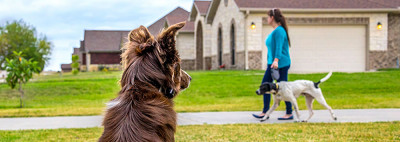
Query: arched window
199	47
233	44
219	46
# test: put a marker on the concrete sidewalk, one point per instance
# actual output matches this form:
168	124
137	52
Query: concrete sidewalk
345	115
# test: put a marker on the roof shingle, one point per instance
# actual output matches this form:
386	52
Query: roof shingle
104	41
202	6
177	15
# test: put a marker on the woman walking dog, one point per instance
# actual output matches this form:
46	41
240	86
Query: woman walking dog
278	43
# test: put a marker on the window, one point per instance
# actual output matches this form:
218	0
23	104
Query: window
219	46
233	44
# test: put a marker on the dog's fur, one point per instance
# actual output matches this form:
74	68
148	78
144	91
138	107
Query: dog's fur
290	91
152	77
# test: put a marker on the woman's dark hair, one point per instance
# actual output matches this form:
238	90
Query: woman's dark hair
280	19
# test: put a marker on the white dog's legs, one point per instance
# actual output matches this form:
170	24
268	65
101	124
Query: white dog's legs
309	101
320	99
296	108
276	104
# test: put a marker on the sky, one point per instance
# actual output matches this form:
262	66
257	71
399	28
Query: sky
63	21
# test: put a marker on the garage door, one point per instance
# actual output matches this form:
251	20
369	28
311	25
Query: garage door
323	48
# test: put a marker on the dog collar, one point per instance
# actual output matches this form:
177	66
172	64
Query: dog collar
277	87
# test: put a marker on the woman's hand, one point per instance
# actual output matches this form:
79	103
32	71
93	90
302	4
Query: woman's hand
274	65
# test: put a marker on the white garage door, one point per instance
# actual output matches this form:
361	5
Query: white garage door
318	48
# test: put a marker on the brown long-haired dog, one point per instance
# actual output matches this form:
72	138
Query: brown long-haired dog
143	110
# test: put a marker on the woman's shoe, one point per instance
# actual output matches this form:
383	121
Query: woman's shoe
258	116
289	118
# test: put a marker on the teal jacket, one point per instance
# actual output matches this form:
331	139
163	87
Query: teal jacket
278	47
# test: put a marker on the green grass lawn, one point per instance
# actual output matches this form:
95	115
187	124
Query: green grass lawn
85	94
383	131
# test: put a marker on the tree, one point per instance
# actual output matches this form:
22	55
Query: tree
20	71
21	37
75	64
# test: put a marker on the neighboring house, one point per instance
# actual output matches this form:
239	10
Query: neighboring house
184	38
338	35
66	68
102	49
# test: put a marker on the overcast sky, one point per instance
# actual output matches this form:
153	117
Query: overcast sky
64	21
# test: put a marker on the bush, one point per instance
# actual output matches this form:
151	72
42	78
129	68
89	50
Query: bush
75	64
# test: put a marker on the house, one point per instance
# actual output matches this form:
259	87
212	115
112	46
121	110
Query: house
184	37
66	68
338	35
101	49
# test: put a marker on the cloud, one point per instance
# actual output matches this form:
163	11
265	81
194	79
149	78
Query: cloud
64	21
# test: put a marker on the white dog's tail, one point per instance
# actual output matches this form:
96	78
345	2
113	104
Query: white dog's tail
323	79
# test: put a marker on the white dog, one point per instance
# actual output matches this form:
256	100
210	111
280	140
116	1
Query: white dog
290	91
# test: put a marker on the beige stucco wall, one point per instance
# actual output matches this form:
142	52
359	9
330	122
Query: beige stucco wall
185	45
378	38
223	18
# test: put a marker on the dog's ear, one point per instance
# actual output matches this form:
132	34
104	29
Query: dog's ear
142	38
139	40
166	38
139	35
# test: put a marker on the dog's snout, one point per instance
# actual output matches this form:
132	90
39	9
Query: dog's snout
190	78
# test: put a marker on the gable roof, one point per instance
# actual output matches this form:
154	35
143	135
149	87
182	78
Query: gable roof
104	41
320	4
202	6
177	15
199	7
212	11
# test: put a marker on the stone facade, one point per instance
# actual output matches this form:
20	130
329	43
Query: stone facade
255	61
214	62
239	60
208	63
226	60
187	64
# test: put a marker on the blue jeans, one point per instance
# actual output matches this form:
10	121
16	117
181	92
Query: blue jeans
283	73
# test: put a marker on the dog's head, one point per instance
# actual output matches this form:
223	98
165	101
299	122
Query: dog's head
154	60
267	88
